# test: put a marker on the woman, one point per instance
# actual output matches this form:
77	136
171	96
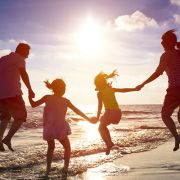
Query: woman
169	62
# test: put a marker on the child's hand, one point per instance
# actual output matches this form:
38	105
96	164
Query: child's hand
139	87
93	120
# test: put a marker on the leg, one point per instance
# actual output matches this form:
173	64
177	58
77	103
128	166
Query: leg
5	117
3	127
67	152
14	128
50	150
170	104
18	111
178	115
105	135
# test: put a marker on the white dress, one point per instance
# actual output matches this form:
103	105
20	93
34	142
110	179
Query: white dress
55	126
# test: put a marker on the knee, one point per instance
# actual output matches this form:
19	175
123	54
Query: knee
101	127
165	116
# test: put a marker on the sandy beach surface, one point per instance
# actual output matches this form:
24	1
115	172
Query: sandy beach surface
159	163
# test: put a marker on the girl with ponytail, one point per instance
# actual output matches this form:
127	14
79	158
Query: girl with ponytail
54	124
106	97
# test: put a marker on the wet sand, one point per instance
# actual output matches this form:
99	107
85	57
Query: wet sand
159	163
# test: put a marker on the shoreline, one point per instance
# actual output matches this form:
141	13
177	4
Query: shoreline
157	163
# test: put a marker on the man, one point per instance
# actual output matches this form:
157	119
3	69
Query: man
12	68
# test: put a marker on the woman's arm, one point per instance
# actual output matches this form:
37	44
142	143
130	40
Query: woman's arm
77	111
37	103
154	76
99	105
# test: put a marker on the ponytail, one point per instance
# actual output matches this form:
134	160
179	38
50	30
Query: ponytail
48	84
112	75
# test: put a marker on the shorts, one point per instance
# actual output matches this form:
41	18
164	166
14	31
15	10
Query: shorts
171	101
111	117
13	107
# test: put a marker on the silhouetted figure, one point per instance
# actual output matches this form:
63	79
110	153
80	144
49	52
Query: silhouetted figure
12	68
106	97
170	63
54	125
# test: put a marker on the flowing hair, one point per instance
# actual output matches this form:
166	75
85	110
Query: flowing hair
100	80
57	86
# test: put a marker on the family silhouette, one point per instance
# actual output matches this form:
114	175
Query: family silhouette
55	127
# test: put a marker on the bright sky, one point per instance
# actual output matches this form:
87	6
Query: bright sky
77	39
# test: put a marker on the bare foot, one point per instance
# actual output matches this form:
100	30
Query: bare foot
108	149
47	171
1	147
176	147
8	144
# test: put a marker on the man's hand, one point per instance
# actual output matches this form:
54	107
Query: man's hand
31	93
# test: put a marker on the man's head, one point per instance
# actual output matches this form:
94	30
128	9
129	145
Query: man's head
23	49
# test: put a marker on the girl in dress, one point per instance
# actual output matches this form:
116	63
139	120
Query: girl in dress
106	97
55	126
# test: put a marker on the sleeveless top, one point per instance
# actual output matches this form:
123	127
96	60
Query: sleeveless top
109	99
55	125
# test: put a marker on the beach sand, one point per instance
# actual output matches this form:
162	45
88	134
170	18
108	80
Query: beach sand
157	164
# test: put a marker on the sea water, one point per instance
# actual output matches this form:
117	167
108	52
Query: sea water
140	129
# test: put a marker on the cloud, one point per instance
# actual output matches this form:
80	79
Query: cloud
175	2
135	21
177	18
4	52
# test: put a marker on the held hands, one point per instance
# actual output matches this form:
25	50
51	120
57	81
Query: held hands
139	87
31	93
93	120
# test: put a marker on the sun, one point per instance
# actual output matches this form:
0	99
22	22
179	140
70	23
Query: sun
89	37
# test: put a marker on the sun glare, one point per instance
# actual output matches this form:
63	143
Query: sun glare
91	130
89	37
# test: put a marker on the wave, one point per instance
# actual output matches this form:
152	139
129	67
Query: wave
139	112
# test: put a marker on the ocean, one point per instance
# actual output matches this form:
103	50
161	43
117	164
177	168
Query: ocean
140	129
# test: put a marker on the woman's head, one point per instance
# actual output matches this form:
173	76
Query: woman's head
101	80
169	40
58	86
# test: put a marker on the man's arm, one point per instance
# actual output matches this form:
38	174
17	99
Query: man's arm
25	78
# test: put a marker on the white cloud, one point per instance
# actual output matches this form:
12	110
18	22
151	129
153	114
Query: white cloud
4	52
175	2
177	18
135	21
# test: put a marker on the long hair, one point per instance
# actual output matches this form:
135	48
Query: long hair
101	78
57	86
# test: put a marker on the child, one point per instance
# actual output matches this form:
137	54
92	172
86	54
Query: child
106	97
55	126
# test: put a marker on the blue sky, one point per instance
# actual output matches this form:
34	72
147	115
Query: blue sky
75	39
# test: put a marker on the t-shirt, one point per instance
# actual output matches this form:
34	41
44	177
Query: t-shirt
10	85
170	63
108	98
